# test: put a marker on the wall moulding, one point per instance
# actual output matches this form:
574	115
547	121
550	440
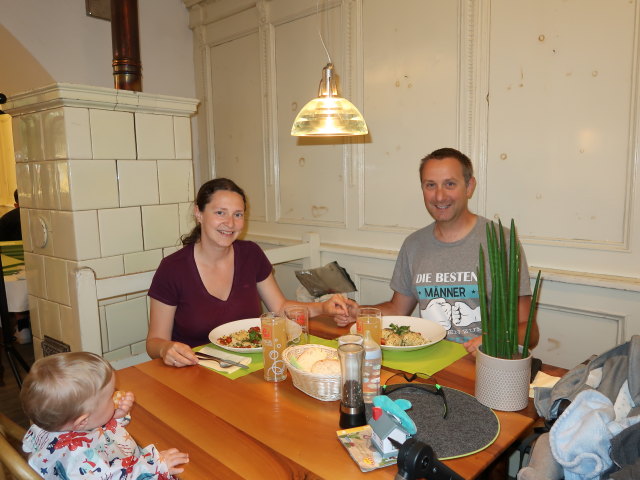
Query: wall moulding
208	11
575	243
613	282
618	321
84	96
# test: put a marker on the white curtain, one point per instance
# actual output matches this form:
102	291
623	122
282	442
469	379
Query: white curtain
7	162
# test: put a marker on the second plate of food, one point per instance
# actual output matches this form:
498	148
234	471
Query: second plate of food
243	336
432	332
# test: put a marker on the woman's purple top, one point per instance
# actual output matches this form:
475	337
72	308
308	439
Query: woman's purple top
178	283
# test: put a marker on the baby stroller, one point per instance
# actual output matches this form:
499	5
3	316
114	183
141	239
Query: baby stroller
592	418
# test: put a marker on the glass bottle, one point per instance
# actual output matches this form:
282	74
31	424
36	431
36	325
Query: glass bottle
352	411
371	368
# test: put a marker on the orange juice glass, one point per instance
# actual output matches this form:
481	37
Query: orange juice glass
370	319
274	341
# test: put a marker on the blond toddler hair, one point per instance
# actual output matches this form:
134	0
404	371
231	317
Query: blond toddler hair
62	387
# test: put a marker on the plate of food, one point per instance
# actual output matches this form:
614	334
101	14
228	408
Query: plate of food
243	336
408	333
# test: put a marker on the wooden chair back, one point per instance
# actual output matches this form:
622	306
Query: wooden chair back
12	460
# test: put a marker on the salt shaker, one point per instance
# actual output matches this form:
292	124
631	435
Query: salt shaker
352	410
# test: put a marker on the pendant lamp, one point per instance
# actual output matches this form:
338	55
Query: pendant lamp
329	114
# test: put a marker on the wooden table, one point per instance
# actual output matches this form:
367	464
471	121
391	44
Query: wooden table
249	428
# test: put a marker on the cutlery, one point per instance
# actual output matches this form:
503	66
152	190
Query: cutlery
224	363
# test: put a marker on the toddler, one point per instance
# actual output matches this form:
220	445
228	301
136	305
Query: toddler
79	428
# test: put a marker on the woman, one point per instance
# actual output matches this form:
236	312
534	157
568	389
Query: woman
214	279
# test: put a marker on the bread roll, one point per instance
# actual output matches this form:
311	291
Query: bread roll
309	357
117	396
329	366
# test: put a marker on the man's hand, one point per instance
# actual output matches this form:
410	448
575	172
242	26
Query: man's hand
342	309
473	345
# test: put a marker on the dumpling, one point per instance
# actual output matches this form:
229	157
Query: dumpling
394	340
412	338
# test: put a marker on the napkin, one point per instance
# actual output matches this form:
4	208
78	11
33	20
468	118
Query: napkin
213	365
542	380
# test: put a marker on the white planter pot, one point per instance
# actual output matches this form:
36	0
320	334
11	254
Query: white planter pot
502	384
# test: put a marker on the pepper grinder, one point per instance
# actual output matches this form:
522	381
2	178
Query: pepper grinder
352	410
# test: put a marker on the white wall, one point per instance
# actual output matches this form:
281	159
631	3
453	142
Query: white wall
541	94
54	41
65	45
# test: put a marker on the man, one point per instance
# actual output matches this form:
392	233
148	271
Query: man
437	265
10	223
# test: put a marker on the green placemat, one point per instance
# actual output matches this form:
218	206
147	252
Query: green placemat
256	358
255	365
427	360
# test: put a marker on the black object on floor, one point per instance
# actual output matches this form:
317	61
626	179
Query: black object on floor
7	345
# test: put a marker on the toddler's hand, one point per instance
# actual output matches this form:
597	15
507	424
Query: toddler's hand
123	402
173	457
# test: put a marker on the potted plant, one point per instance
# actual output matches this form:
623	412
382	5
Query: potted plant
502	371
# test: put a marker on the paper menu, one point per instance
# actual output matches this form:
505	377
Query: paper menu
357	441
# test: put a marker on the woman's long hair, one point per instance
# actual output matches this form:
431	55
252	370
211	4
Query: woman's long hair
204	197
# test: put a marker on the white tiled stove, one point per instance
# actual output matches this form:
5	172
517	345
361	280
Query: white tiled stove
105	179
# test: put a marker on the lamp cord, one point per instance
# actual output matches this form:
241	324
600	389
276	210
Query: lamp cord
320	29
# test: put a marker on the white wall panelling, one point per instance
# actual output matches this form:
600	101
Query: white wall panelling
103	176
541	94
565	110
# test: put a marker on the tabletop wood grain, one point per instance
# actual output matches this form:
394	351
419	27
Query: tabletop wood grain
250	428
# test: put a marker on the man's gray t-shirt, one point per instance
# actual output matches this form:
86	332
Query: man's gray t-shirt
443	278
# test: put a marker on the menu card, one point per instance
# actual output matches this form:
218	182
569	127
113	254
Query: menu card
357	441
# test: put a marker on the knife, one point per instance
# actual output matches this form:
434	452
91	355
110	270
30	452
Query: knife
206	356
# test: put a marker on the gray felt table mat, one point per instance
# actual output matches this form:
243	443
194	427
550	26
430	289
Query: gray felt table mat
468	428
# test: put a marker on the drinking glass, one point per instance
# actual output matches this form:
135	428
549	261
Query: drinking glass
297	324
274	341
370	319
351	338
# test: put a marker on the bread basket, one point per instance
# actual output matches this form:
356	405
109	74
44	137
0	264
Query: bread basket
324	387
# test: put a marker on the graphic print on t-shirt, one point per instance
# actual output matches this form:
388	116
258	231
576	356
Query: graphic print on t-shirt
450	302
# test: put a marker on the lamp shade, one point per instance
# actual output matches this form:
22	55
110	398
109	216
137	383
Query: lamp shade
328	114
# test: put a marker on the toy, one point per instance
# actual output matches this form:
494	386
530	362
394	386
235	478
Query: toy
390	421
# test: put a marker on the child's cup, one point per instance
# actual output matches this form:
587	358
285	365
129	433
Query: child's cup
351	338
297	324
274	341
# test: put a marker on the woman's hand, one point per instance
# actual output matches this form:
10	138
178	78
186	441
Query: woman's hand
124	402
178	354
342	309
